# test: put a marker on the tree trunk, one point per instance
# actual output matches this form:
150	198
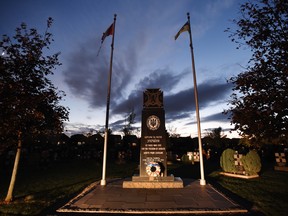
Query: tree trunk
9	196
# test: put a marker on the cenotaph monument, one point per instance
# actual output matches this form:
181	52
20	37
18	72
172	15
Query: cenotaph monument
153	157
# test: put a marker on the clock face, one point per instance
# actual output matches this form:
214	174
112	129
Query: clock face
153	122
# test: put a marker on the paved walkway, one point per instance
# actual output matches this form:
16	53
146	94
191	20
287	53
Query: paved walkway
192	199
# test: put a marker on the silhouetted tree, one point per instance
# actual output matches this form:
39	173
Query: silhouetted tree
129	120
172	132
29	102
259	104
216	138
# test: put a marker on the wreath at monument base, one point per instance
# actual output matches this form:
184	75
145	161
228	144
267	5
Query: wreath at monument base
153	169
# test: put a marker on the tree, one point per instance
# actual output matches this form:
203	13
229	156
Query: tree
259	104
215	137
172	132
29	102
129	120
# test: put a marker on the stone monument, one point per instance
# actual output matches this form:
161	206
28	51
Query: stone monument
153	156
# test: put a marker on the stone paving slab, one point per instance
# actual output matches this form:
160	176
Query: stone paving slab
113	198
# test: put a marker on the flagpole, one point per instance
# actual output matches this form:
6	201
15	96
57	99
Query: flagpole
202	180
103	180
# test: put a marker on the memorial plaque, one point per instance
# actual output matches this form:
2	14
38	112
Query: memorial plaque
153	158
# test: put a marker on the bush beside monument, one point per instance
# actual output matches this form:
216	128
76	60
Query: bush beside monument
239	165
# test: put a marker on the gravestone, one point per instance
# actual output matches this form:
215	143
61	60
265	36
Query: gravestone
281	164
193	157
196	156
280	158
153	155
238	163
237	159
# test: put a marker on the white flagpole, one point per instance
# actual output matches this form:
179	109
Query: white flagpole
103	180
202	180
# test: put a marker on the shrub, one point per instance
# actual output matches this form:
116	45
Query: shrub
185	159
227	161
251	163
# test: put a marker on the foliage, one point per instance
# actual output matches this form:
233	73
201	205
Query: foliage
185	159
245	141
251	162
172	131
130	119
227	160
215	137
259	104
29	102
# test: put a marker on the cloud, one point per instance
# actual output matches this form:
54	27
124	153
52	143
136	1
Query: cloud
75	128
182	104
137	52
161	78
178	105
87	74
217	117
202	19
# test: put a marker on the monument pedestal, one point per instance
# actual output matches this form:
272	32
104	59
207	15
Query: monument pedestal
154	182
152	178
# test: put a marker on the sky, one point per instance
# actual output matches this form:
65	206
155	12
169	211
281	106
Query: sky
145	56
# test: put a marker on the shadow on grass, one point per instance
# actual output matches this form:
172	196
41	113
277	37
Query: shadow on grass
51	209
234	197
39	189
52	191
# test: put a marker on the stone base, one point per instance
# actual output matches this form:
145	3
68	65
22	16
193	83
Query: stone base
281	168
160	182
151	178
239	176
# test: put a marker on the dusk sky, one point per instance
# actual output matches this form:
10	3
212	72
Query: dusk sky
145	56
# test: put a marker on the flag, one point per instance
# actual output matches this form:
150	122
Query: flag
108	32
185	27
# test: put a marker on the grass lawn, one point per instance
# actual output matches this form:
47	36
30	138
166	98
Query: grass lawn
38	189
267	194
